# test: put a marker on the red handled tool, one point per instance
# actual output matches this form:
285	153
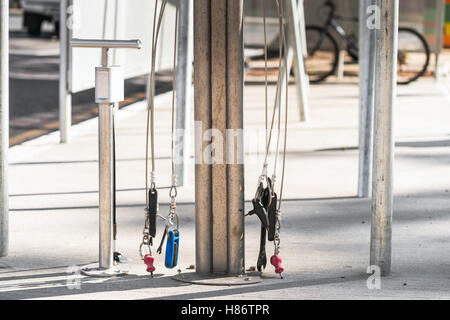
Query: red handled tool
149	260
275	260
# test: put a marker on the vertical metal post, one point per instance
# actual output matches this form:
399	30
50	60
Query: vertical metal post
341	65
289	59
366	99
119	17
440	17
302	26
65	98
184	85
385	95
4	125
235	122
202	111
295	45
109	86
106	178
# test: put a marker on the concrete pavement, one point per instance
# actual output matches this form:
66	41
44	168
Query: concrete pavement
325	229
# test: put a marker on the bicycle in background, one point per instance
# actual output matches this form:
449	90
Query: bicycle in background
323	49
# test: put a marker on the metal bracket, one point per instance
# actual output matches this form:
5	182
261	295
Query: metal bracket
217	279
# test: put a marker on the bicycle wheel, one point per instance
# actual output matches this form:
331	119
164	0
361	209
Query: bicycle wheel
413	55
323	54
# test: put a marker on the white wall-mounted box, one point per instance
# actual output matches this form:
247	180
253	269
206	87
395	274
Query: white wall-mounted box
109	84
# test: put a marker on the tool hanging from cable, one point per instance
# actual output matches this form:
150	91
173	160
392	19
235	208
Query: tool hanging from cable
152	207
266	204
275	260
151	193
172	234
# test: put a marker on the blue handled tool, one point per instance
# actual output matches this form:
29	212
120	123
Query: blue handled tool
172	248
171	231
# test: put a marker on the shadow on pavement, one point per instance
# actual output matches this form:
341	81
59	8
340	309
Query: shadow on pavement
281	284
59	288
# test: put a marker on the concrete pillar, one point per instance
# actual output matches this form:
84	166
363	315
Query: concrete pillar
218	33
235	143
385	95
219	123
4	125
366	98
202	111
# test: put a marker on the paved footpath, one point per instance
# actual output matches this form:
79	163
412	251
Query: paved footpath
325	230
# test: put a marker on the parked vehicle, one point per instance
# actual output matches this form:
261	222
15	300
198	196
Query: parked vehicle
35	12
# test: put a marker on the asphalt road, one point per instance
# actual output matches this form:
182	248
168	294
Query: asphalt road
34	77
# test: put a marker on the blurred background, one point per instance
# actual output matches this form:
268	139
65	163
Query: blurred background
34	56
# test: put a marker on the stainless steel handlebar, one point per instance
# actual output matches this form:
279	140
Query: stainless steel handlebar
106	44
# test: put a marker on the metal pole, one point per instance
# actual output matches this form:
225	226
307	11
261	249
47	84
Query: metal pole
184	85
4	125
106	178
295	45
385	94
440	17
301	15
366	99
106	44
302	26
289	59
202	110
340	65
235	121
65	98
109	86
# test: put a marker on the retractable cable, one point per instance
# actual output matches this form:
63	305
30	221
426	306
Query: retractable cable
118	257
170	231
275	260
151	211
151	193
266	204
